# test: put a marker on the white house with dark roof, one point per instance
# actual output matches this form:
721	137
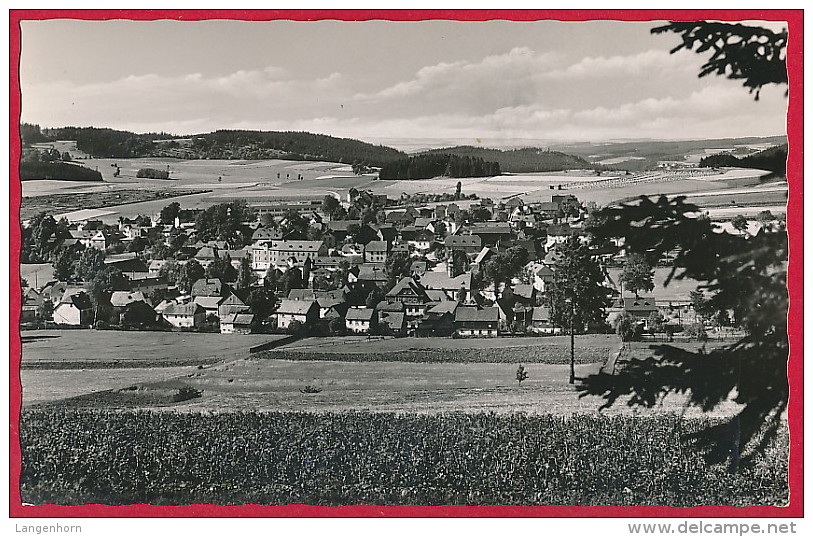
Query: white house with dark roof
189	315
304	311
457	288
473	322
360	320
74	308
237	323
471	244
376	252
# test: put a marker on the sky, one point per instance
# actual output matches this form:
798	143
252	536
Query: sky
467	81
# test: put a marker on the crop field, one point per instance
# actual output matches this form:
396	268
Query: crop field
56	204
68	349
526	350
230	178
72	457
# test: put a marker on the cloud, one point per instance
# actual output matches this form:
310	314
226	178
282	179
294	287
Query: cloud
646	63
508	79
520	93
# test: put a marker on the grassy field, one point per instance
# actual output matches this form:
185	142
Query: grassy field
68	349
74	457
258	382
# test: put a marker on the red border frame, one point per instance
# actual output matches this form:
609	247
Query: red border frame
795	133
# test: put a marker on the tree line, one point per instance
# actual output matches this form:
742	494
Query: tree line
773	159
428	165
524	160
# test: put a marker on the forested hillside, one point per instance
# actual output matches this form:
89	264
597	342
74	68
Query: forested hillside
524	160
221	144
291	145
772	159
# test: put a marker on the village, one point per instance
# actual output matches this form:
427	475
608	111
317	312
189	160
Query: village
361	265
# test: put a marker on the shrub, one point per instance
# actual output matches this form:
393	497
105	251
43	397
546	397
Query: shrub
628	327
185	393
152	173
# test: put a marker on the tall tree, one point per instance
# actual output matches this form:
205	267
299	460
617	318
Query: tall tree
222	268
740	223
578	278
245	276
744	275
188	274
637	274
64	264
90	262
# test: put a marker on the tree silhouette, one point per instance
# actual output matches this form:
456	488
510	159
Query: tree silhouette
746	275
748	53
742	274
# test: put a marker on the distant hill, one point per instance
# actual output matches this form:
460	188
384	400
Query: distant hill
773	159
292	145
526	160
647	153
221	144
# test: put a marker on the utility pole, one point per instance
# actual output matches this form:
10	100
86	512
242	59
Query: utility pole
572	341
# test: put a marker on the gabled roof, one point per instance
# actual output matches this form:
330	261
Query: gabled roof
502	228
190	308
208	302
329	301
372	273
342	225
359	314
449	306
232	300
77	298
639	304
468	314
266	234
436	295
301	294
389	307
441	280
408	286
376	246
207	252
122	298
485	253
208	287
524	290
243	319
295	307
156	264
469	241
297	246
419	266
394	320
541	314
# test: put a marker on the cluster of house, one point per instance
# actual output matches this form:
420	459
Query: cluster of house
435	298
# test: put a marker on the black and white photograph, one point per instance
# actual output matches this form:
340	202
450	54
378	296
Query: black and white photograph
407	260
